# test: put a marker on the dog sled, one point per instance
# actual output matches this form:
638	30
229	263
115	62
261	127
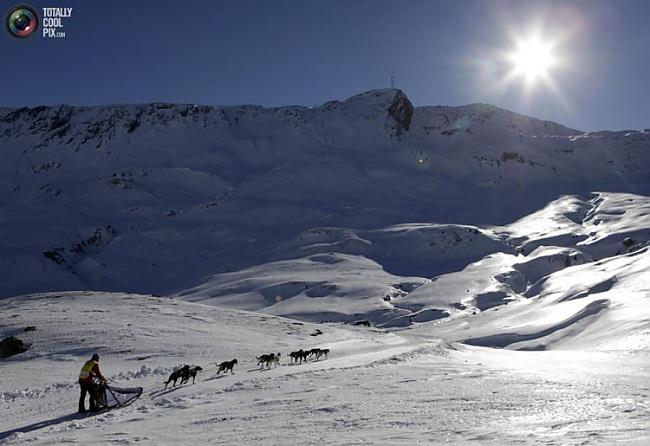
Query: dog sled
109	397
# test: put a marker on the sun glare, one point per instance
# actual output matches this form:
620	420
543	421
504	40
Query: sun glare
532	59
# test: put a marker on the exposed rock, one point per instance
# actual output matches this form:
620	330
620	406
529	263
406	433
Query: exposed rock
364	322
401	110
12	346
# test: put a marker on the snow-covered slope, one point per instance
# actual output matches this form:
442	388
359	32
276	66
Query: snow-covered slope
374	387
501	270
157	197
601	305
322	288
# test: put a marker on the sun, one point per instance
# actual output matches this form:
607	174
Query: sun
532	62
532	59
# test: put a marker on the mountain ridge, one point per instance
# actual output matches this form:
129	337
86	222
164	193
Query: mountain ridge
185	192
35	112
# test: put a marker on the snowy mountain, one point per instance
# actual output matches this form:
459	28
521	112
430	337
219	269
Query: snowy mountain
410	241
158	197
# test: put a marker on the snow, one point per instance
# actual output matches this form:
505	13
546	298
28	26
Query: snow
192	191
375	387
470	284
352	275
573	330
320	288
599	305
596	226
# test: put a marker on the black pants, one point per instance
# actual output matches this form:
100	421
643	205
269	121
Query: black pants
90	390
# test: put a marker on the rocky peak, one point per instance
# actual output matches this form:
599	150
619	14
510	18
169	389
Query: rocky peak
389	104
401	110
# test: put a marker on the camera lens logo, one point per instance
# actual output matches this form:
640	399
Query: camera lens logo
21	21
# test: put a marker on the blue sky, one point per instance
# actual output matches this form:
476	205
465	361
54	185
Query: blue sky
279	52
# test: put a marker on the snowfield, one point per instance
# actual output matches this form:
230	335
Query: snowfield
375	387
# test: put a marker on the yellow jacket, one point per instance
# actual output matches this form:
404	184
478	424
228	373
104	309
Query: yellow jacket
89	371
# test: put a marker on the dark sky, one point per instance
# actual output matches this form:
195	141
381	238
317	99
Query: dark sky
279	52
